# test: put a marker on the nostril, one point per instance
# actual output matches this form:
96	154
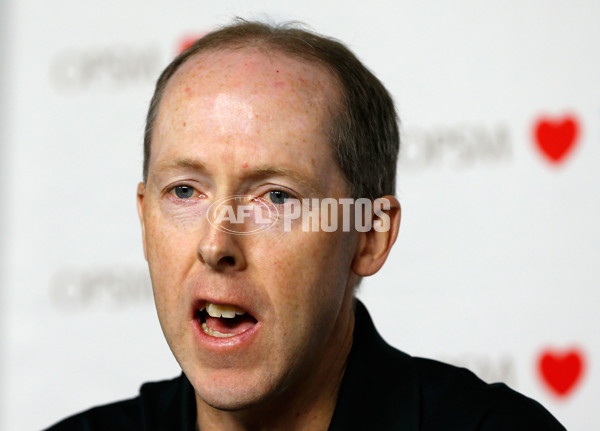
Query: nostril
221	253
227	261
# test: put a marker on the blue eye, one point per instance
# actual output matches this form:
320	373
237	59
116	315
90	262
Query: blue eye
278	197
184	192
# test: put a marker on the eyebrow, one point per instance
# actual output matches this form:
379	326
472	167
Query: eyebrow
183	163
260	172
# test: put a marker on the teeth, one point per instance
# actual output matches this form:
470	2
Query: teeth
213	333
227	311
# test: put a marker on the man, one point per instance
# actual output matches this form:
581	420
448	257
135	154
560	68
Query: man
263	322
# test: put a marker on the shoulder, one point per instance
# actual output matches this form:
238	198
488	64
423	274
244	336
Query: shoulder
131	414
458	399
122	415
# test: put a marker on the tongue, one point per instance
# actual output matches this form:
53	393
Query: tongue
234	326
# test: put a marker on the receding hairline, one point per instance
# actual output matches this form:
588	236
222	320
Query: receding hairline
332	106
364	129
204	55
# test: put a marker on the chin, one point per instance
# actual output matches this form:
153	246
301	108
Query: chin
232	394
231	399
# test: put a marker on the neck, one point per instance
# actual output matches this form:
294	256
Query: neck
308	404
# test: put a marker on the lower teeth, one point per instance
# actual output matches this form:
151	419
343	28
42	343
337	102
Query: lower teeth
213	333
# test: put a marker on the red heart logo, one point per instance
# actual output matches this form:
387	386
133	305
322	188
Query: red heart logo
561	371
556	137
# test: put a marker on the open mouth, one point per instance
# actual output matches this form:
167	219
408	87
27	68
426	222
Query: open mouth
223	320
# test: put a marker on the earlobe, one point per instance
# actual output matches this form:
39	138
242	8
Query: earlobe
141	189
374	246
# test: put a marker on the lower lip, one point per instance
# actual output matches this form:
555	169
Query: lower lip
223	344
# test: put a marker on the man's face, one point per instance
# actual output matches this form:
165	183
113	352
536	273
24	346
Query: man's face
244	123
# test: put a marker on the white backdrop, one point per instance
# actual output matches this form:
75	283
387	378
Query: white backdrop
497	263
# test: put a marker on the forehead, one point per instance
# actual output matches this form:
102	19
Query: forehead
249	108
251	82
254	69
247	103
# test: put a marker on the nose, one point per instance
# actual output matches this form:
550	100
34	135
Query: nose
221	250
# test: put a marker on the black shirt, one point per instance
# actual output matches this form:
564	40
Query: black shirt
382	389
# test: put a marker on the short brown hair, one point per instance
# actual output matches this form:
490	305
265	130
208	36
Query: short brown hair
363	131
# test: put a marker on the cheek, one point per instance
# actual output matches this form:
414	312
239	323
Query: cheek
159	242
301	265
168	228
170	247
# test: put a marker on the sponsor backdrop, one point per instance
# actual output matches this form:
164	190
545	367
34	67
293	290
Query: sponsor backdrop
497	264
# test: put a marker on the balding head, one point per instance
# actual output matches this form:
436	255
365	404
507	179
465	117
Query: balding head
362	130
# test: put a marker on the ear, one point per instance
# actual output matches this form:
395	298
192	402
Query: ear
141	189
374	245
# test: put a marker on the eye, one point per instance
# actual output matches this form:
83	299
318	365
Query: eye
183	191
278	197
